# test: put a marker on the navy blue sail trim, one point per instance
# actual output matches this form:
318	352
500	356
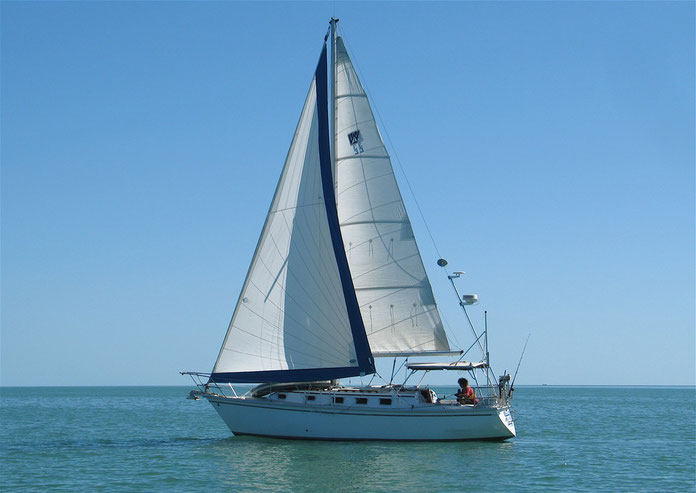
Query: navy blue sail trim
362	347
284	376
365	361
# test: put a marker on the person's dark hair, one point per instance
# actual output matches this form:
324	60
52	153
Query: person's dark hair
463	381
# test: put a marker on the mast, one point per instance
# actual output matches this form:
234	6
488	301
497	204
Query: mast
332	106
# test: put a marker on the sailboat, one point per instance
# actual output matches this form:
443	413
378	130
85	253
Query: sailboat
336	281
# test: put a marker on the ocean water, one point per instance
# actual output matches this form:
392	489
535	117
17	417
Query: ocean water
152	439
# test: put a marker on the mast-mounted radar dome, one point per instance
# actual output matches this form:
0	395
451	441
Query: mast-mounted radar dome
469	299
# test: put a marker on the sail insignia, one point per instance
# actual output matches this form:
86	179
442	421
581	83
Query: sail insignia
356	141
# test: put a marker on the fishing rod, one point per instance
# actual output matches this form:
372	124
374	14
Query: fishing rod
512	384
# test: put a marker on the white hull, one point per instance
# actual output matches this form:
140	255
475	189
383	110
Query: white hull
432	422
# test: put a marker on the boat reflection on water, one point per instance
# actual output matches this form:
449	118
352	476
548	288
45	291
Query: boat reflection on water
265	464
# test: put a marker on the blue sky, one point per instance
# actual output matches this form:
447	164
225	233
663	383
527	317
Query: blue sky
549	144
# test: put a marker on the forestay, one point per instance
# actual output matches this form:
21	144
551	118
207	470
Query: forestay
297	318
395	296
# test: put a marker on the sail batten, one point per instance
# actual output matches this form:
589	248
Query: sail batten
393	290
361	157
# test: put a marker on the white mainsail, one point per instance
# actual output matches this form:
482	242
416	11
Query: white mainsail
393	290
292	313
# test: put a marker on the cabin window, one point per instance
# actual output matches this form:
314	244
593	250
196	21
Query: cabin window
281	396
361	400
338	400
311	397
385	402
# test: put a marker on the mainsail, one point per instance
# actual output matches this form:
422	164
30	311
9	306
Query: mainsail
297	318
393	290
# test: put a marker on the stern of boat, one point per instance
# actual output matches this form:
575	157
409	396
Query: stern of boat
505	416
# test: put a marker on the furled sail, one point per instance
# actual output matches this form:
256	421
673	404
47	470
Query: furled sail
297	318
393	290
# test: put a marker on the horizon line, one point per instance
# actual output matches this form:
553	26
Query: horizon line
431	385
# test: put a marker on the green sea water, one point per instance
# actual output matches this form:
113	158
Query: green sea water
153	439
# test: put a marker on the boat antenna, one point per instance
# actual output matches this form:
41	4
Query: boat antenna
455	275
488	357
512	384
